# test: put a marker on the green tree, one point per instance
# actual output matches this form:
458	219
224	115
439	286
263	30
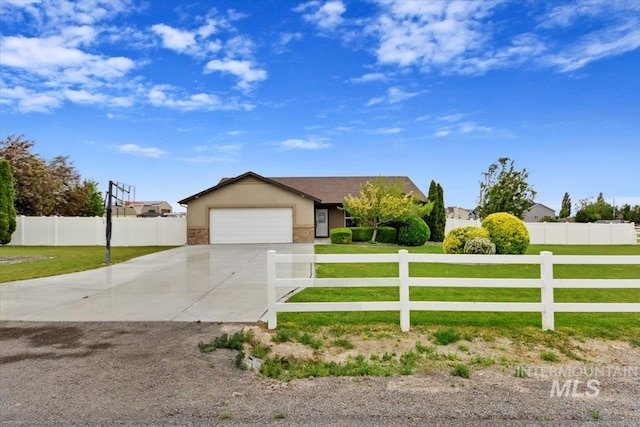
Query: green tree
46	188
7	209
438	216
381	202
505	189
565	209
589	211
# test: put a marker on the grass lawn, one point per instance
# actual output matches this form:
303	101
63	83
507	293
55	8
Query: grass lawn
54	260
614	325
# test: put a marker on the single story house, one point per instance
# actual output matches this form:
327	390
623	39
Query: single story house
538	212
143	208
253	209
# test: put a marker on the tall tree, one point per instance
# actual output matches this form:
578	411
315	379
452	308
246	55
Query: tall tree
565	209
505	189
438	216
381	201
41	187
429	218
7	209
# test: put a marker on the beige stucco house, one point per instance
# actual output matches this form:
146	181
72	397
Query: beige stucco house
253	209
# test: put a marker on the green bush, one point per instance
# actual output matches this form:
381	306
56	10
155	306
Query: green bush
361	234
413	232
458	237
479	245
340	236
386	235
364	234
507	232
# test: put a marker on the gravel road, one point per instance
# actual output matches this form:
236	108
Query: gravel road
153	374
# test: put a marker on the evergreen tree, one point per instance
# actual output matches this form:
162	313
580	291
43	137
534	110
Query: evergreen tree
437	218
7	199
565	210
440	213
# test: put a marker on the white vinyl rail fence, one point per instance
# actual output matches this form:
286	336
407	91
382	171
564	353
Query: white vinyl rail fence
547	283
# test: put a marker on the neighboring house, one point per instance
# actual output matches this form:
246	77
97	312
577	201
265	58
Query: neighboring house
538	212
139	208
458	213
253	209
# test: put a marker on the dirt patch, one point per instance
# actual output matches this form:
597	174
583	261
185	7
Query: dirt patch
17	259
153	374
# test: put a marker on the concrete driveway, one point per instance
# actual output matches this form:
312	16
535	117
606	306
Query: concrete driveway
212	283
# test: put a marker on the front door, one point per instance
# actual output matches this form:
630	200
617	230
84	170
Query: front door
322	222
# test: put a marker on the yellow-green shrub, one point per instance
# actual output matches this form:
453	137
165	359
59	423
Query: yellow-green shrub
455	240
507	232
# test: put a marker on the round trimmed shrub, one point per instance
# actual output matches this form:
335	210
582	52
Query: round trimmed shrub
340	236
455	240
507	232
480	246
361	234
413	232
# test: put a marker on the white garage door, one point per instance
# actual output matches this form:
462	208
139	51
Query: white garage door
251	225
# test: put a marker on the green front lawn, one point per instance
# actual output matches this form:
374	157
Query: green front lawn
592	324
63	259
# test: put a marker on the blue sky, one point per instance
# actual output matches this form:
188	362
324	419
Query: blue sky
171	96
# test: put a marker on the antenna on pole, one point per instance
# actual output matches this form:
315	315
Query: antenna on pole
115	196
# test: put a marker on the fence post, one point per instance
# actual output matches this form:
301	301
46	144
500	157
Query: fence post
403	267
272	316
546	274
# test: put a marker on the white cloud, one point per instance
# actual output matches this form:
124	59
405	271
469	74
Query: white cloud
141	151
236	132
394	95
165	96
597	45
174	39
243	70
326	16
369	77
302	144
469	127
442	133
388	131
452	117
284	40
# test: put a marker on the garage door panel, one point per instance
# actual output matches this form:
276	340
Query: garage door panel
251	225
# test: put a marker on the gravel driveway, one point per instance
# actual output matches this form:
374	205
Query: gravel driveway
153	374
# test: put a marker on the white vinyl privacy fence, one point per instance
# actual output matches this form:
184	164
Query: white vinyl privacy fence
77	231
546	283
568	233
134	231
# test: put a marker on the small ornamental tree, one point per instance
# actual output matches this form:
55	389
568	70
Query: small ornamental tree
381	202
7	209
507	232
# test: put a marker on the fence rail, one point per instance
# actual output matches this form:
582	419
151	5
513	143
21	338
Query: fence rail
546	283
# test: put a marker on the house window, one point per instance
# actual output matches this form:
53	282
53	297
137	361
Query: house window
350	221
